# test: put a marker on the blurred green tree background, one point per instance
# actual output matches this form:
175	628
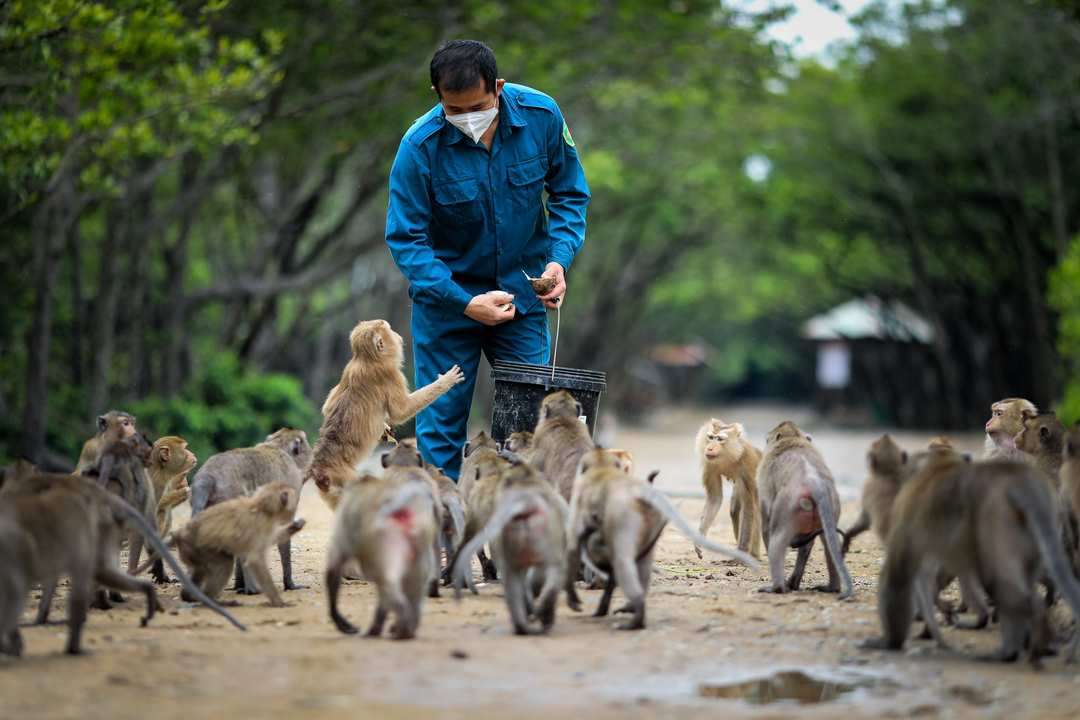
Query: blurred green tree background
193	195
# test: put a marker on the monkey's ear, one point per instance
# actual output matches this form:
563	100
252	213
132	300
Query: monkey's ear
465	449
165	452
102	423
284	498
386	460
652	476
903	457
809	437
580	410
967	457
380	344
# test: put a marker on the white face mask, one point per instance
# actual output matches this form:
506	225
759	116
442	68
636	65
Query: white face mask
474	124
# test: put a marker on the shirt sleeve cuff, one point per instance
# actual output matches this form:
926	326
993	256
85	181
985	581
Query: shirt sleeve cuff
562	256
457	297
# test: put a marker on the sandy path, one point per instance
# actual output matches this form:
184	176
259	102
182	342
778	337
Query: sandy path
707	625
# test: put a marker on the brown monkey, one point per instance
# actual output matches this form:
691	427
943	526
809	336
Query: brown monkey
725	452
1042	437
170	463
799	502
372	390
452	530
243	528
403	462
559	441
1006	421
387	525
528	540
615	522
121	469
520	443
994	520
112	426
283	457
479	505
54	525
480	448
887	463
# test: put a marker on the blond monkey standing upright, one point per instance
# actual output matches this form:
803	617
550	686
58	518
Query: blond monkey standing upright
372	391
725	452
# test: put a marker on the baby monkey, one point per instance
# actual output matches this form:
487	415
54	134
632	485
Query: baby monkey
243	528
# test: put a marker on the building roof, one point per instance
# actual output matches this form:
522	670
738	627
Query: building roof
869	318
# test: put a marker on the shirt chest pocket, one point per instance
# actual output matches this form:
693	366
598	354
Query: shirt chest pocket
526	181
458	202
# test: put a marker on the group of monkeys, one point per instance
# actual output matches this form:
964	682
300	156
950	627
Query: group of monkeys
1001	526
550	507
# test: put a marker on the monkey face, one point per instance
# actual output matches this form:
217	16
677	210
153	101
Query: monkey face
1007	419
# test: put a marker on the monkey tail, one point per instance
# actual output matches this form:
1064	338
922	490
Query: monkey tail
659	501
1034	502
503	514
200	493
457	518
827	514
158	546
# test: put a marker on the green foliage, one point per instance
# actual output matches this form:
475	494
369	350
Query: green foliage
1065	298
228	407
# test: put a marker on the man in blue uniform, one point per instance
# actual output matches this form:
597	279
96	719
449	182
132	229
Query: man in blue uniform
467	215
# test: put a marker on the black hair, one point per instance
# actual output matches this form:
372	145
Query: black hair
460	64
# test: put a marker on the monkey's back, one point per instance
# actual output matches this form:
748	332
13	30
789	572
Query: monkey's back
558	444
242	471
785	462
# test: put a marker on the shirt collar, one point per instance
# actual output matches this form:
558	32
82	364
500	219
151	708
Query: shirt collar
509	114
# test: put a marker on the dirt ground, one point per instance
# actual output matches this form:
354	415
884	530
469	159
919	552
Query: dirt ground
708	628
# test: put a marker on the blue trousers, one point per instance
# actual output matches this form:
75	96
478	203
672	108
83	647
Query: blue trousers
442	339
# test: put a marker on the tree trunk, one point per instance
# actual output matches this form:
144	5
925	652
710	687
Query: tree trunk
104	329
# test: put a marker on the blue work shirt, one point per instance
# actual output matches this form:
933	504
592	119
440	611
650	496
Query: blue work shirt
462	220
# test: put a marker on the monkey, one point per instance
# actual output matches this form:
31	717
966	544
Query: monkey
283	457
559	440
479	506
480	448
112	426
243	528
520	443
121	469
725	452
170	462
995	520
798	502
1070	494
452	530
1042	437
615	521
1006	421
887	463
404	462
527	535
387	524
54	525
372	391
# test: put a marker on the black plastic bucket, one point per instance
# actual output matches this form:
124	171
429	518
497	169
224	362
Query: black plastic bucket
520	387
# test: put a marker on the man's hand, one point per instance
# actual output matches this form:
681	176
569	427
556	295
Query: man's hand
491	308
553	298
